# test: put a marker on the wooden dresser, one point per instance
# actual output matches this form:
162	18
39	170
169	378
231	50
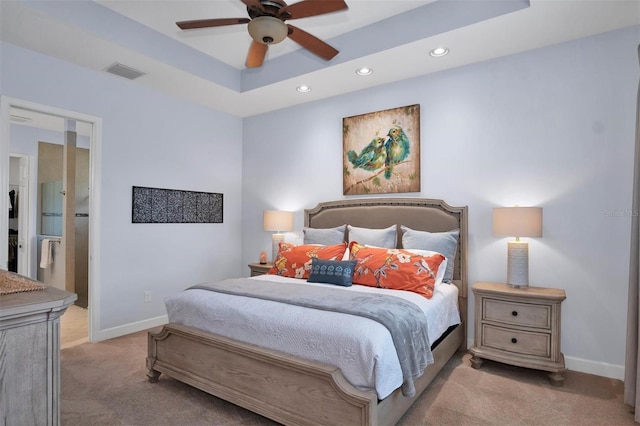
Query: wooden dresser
519	327
30	356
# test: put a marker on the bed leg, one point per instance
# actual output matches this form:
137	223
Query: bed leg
152	375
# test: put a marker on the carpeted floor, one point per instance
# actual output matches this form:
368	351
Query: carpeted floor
74	327
105	384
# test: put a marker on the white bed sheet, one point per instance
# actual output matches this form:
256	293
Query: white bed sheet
362	348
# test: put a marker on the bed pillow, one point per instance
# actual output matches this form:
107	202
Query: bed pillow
441	242
441	269
295	261
395	269
373	237
324	236
332	272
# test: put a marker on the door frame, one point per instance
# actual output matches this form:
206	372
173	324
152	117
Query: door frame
25	214
95	160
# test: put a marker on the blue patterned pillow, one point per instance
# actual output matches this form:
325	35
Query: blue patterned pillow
332	271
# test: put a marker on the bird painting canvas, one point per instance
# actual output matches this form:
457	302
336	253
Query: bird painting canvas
381	151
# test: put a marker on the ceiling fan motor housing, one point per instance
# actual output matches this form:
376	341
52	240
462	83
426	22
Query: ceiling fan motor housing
268	8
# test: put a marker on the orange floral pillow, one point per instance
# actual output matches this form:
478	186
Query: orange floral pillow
395	269
295	261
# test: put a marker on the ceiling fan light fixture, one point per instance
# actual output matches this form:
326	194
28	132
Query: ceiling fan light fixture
267	30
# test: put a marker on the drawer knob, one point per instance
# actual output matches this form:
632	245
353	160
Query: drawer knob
514	340
514	313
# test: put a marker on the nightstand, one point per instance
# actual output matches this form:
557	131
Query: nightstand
259	268
519	327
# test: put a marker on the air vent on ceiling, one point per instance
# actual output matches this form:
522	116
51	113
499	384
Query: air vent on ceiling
124	71
20	119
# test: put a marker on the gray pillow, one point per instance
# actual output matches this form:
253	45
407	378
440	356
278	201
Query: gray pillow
442	242
324	236
385	238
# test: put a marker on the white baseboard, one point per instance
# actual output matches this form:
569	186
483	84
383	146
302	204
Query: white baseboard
603	369
133	327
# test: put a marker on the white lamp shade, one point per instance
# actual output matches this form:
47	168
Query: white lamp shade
277	220
517	222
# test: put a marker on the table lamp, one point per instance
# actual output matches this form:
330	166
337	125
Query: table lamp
278	221
517	222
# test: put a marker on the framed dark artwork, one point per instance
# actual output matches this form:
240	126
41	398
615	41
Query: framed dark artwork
155	205
381	151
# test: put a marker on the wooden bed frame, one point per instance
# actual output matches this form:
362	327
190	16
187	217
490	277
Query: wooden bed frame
294	391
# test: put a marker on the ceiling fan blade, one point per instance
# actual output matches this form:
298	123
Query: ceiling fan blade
311	43
306	8
256	54
206	23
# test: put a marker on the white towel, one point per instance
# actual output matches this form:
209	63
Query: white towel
46	258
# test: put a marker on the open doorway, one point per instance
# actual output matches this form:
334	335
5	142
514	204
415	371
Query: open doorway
49	155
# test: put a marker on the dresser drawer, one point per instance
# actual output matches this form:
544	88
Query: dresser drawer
518	314
521	342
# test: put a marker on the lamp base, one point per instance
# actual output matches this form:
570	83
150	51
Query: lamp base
275	245
518	264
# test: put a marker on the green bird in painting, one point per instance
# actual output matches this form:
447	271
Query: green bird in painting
372	156
397	148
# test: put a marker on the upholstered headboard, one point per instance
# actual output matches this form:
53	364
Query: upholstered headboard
416	213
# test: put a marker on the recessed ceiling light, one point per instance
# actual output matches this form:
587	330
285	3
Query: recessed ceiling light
303	89
438	52
364	71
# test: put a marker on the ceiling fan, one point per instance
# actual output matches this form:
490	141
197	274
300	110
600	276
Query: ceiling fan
267	26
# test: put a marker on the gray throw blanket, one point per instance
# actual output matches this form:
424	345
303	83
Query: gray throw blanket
405	321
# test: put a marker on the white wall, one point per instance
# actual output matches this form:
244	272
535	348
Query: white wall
148	139
552	128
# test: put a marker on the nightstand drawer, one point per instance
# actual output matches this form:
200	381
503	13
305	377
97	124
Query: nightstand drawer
521	342
520	314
